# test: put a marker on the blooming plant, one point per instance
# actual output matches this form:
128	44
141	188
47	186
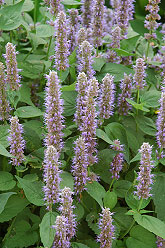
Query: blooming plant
82	124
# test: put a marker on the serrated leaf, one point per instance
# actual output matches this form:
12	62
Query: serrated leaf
28	112
66	180
6	181
4	152
110	200
44	30
96	191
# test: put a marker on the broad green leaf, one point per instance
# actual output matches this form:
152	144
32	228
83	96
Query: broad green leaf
78	211
32	139
96	191
71	2
98	63
4	152
92	220
68	87
123	221
28	112
3	200
25	95
30	70
4	132
6	181
136	158
121	187
36	41
137	106
28	6
33	191
67	180
44	30
36	126
151	98
79	245
129	44
110	200
123	53
133	201
102	135
146	124
47	233
69	102
140	237
151	223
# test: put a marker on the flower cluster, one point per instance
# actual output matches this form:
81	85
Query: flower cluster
80	164
1	2
116	37
107	96
117	162
106	236
81	36
139	73
126	88
55	7
54	108
109	20
161	122
62	45
87	12
160	242
13	79
151	19
51	177
73	28
4	104
144	178
16	141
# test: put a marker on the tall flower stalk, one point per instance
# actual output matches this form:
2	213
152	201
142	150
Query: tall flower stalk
87	12
51	177
55	6
16	141
161	122
116	38
74	23
54	108
117	162
4	104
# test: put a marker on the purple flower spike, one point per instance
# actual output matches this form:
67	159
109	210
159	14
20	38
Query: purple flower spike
151	19
139	74
4	104
160	242
54	108
66	210
144	178
13	79
74	23
126	88
81	36
55	6
114	3
106	236
98	23
117	162
109	20
61	240
51	177
116	38
161	122
16	141
80	164
107	95
87	12
85	59
62	45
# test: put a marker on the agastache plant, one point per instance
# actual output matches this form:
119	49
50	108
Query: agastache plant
81	36
74	24
61	239
144	178
61	44
4	104
116	38
51	177
55	7
106	237
151	19
107	96
140	74
160	242
54	108
13	79
117	162
66	210
87	12
79	167
126	91
16	141
109	20
98	23
161	122
85	59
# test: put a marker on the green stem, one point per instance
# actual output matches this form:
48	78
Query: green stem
140	204
47	54
28	54
111	184
147	52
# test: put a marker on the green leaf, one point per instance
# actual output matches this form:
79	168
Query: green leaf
36	126
133	201
69	102
28	6
123	53
140	237
4	132
121	187
4	152
96	191
151	98
3	200
14	205
79	245
98	63
71	2
28	112
25	94
146	124
137	106
102	135
124	221
36	41
6	181
33	191
129	44
68	87
110	200
47	233
10	16
158	195
32	139
92	219
44	30
67	180
152	224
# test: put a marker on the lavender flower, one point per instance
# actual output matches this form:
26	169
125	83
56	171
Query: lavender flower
73	28
4	104
80	163
81	87
85	59
11	63
109	20
81	36
16	141
55	6
54	108
89	122
144	178
87	12
61	240
117	162
160	242
139	74
1	2
116	37
126	88
114	3
107	229
66	210
161	122
51	177
62	45
151	19
107	95
98	22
